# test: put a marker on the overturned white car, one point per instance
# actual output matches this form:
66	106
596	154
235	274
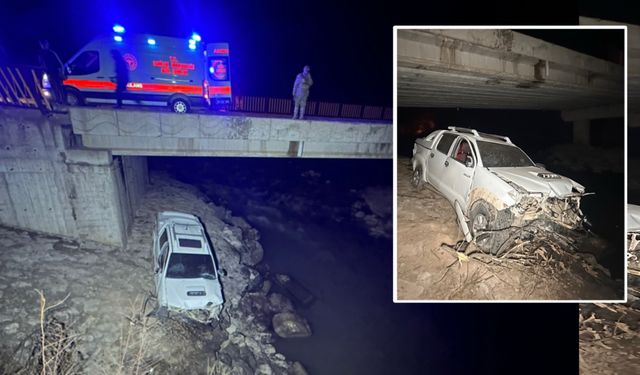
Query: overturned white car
186	276
494	187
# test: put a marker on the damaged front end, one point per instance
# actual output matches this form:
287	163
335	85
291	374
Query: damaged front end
560	208
563	211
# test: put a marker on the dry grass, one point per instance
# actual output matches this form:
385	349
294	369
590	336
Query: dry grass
133	356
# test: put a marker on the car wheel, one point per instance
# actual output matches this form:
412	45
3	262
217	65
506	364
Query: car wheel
483	229
180	105
482	216
74	98
416	179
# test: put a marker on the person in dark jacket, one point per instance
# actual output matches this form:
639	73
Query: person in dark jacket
122	75
54	68
301	91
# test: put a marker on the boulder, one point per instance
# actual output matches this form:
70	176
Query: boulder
289	325
297	369
279	303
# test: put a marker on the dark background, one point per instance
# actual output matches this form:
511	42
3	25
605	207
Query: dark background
349	46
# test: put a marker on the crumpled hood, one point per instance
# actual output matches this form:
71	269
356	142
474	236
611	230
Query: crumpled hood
177	293
533	180
633	218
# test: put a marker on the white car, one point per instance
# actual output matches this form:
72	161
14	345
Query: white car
493	185
186	276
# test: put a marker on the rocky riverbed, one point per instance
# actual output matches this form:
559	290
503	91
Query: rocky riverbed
106	297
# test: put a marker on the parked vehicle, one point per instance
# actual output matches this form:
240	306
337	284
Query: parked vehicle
494	186
180	73
185	272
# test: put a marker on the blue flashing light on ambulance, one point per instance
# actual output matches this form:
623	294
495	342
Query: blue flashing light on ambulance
177	72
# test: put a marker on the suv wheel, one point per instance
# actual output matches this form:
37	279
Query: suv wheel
482	216
416	179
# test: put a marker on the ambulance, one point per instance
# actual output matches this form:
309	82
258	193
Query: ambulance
166	71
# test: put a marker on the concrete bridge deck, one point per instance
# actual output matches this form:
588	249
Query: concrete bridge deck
501	69
147	133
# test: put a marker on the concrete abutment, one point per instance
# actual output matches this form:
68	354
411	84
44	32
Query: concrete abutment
46	185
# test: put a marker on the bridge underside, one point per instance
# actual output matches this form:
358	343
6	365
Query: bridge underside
127	132
500	69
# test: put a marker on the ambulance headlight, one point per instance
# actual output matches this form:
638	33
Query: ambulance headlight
117	38
151	41
196	37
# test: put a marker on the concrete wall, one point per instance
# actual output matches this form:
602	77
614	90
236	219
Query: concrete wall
47	186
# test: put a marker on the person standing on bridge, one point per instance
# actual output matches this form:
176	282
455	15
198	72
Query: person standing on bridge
122	75
301	91
54	68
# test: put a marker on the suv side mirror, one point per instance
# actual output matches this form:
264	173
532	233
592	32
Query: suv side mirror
469	162
540	165
222	272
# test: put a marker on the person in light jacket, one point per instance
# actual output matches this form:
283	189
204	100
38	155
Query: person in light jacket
301	91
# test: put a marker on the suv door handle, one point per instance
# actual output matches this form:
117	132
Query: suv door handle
446	163
432	154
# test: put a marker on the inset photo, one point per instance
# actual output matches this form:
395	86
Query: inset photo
510	164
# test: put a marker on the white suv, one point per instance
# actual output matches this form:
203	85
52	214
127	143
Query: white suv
186	276
494	186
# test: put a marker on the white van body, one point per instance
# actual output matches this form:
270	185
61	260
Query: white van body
162	71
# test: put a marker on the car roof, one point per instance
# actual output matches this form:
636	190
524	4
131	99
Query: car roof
187	232
480	136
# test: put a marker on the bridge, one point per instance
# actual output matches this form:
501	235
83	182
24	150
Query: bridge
505	69
149	133
82	171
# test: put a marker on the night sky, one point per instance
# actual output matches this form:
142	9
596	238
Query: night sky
347	44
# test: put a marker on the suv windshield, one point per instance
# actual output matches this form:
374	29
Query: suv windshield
501	155
190	266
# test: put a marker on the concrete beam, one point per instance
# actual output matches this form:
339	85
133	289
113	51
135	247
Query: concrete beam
592	113
125	132
500	69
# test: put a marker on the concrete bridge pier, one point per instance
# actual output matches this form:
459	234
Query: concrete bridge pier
49	186
581	120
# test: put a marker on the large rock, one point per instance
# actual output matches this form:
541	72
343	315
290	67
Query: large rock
289	325
279	303
297	369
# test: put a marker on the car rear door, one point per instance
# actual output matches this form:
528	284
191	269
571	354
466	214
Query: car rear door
437	161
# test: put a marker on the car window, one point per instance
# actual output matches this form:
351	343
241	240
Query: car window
502	155
461	151
163	238
85	63
190	266
445	142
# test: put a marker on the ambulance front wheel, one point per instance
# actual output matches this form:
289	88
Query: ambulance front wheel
180	105
73	97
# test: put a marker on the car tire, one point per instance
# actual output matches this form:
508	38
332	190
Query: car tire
74	97
482	217
416	179
180	105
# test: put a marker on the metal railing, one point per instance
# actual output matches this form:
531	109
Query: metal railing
259	104
21	86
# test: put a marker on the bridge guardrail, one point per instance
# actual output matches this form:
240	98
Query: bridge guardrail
258	104
21	86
